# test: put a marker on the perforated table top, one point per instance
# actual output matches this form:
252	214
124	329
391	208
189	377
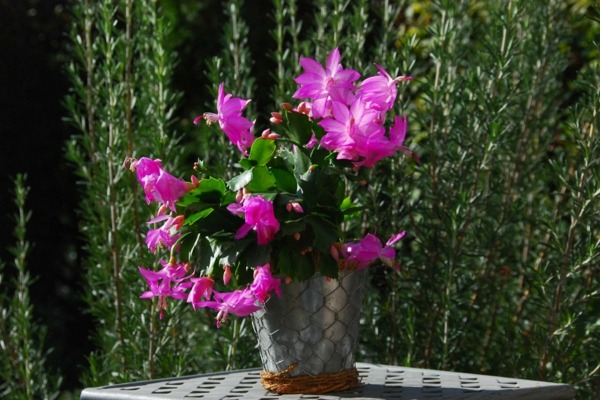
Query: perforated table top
378	382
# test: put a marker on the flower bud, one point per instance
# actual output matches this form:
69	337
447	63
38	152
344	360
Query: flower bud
297	235
227	274
305	251
287	106
335	252
195	182
276	118
265	134
294	206
304	108
162	210
178	221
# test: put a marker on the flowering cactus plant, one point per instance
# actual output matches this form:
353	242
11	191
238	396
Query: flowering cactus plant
230	244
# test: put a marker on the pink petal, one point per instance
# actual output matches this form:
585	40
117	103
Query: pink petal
395	238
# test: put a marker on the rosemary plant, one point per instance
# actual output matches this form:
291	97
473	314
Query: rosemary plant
24	371
121	97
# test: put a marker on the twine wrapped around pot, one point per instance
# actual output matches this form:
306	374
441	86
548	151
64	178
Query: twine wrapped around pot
308	336
282	383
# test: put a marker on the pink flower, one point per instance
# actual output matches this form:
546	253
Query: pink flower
171	281
363	253
323	85
159	185
239	302
347	130
264	283
258	215
166	235
202	288
379	92
229	116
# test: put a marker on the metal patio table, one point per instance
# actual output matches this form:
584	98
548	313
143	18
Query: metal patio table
378	382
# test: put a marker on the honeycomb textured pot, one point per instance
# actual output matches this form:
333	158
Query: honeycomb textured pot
313	325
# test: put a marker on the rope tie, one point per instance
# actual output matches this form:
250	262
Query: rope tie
282	383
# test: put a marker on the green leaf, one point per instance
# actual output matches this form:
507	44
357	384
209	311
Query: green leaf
197	216
291	263
262	179
300	127
296	161
262	151
318	130
325	232
328	266
257	255
304	267
231	252
293	226
218	223
240	181
284	262
208	191
285	180
247	164
346	204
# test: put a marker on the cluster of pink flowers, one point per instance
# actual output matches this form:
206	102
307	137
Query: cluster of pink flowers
174	279
352	116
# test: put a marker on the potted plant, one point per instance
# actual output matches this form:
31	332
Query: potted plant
270	242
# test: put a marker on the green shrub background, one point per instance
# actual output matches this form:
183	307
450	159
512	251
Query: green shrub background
502	206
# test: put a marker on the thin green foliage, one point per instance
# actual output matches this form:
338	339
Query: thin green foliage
490	281
123	105
24	371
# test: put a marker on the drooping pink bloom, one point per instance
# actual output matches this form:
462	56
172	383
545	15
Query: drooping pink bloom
239	302
264	283
363	253
171	281
159	185
229	116
201	288
176	271
258	215
166	235
322	85
379	92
